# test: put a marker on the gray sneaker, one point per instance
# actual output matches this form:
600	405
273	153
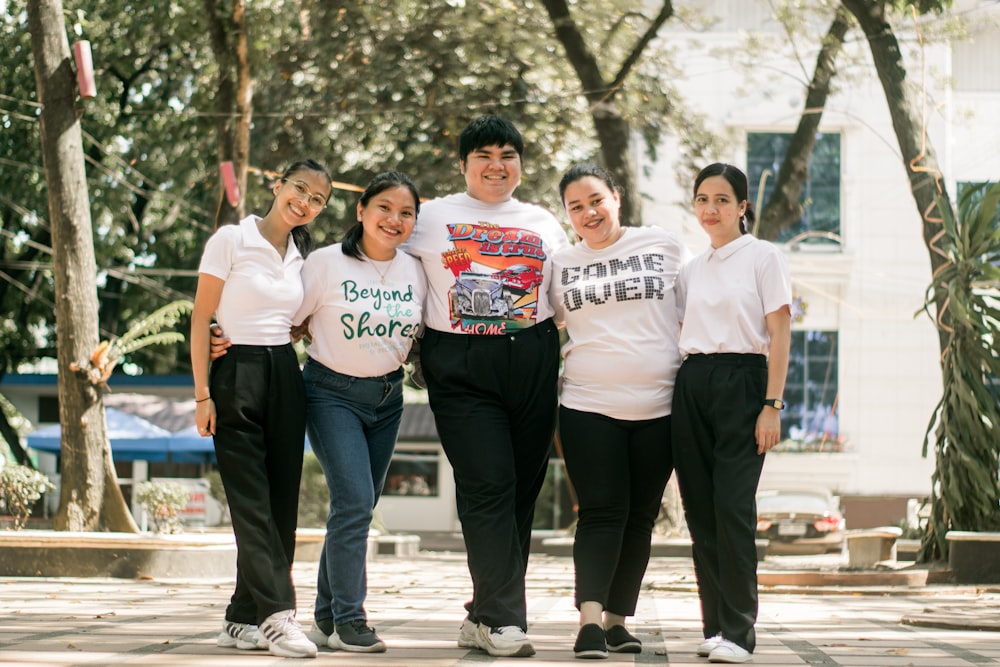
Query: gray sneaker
356	637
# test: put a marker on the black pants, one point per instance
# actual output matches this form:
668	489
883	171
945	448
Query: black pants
619	470
717	400
259	438
494	404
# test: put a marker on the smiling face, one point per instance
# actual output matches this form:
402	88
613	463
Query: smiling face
593	211
718	210
492	173
388	219
300	197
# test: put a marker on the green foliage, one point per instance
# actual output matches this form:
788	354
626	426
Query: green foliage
361	86
147	331
163	502
144	333
20	489
964	429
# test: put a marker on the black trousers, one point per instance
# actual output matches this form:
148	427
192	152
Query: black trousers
717	399
259	439
494	404
619	469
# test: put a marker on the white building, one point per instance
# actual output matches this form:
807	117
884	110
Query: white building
865	373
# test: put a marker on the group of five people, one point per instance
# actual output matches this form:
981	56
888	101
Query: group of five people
669	363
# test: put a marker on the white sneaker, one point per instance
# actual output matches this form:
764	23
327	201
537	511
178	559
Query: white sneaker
705	648
729	652
285	637
316	635
508	641
240	635
467	635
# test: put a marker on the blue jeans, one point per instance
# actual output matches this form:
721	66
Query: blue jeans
352	425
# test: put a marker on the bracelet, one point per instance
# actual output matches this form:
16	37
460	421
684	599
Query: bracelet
202	400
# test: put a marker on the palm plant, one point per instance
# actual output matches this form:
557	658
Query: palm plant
108	353
964	429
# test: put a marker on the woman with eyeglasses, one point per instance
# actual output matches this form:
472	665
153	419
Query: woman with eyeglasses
252	401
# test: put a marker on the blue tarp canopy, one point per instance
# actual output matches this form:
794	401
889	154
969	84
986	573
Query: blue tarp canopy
132	439
189	446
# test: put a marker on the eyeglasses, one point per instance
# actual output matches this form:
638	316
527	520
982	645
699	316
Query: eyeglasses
316	202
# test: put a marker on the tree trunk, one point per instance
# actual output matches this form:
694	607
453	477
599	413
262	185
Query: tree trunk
615	134
613	130
234	100
783	208
911	134
90	498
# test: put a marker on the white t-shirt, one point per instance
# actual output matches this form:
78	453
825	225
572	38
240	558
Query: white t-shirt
363	318
487	265
618	307
725	294
262	290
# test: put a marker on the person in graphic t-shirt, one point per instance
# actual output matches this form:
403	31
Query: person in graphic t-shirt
253	401
364	302
614	293
490	358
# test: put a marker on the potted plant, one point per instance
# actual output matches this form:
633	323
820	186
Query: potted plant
964	429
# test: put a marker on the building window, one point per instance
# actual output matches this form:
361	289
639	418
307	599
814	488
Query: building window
820	223
810	420
412	473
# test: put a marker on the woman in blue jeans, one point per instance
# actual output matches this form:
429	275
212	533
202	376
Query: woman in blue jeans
363	306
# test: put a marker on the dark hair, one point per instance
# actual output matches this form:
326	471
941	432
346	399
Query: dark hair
738	180
301	235
489	130
351	243
578	171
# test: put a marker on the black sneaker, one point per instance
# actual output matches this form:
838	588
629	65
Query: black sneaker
591	642
621	640
357	637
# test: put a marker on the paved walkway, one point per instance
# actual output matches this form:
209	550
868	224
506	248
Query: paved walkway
416	606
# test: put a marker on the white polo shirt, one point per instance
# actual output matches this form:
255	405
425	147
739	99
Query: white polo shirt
363	319
725	294
262	291
488	266
617	303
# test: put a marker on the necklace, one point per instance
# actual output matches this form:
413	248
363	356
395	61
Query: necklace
381	274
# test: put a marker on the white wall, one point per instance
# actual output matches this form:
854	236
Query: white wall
889	379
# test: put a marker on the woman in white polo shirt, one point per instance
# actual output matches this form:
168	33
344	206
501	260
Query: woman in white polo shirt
614	293
253	401
734	304
364	301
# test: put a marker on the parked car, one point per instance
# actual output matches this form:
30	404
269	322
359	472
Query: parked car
800	521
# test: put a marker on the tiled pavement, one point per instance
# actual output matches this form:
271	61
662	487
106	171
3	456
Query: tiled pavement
416	606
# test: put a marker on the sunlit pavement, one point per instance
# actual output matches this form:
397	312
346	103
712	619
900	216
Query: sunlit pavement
415	604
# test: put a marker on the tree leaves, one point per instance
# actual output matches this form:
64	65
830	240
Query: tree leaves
965	427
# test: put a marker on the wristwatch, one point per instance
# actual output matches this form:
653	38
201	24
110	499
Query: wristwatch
775	403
